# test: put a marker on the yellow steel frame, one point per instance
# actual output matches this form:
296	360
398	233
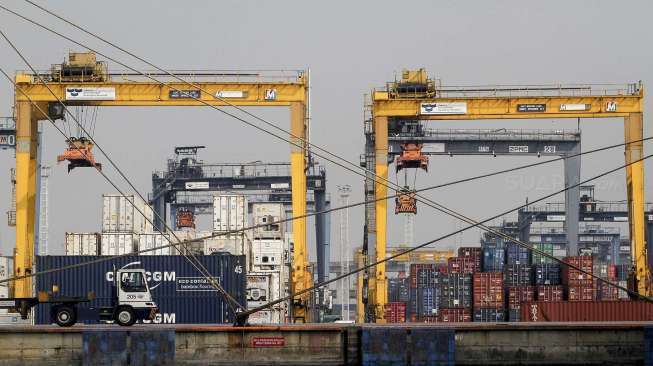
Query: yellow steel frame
628	106
292	94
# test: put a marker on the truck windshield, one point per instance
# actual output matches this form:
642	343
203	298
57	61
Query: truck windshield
132	282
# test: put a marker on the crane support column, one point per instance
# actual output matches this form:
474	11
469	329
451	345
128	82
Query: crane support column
633	130
301	276
26	164
572	199
381	190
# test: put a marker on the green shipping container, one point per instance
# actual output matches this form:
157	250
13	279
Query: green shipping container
540	259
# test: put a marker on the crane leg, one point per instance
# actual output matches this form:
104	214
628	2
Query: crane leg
381	207
26	167
301	277
633	129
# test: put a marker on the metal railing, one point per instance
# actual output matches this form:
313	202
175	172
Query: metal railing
502	134
231	170
616	206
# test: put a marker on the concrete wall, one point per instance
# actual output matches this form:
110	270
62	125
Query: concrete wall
475	344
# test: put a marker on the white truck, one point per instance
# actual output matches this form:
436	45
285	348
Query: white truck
131	301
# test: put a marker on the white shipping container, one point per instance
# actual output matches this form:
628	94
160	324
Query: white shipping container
6	267
270	215
269	316
118	243
229	212
233	244
119	214
266	252
263	287
4	293
154	240
82	243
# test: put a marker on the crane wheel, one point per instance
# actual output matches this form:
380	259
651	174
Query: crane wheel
65	316
125	316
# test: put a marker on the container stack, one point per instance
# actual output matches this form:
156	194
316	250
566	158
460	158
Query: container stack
580	286
494	258
82	243
516	295
488	297
538	259
268	255
424	293
124	218
604	291
456	293
473	253
395	312
229	216
622	280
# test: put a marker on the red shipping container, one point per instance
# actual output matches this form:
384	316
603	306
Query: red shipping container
592	311
574	277
463	265
606	292
488	290
455	315
429	319
520	294
549	293
472	252
612	272
413	271
581	293
395	312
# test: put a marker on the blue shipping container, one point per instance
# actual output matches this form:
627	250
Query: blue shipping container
181	292
516	254
517	275
428	300
493	258
489	315
455	290
547	274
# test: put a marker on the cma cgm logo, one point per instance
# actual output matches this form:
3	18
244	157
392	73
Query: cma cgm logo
154	279
73	91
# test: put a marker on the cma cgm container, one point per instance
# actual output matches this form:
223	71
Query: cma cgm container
182	294
593	311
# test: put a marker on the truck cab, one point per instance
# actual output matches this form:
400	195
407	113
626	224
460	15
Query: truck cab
132	299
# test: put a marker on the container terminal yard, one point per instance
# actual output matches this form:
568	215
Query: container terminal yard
439	206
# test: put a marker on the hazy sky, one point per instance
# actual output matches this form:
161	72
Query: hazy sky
350	47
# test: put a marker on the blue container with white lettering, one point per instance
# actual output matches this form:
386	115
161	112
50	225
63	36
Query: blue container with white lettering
182	294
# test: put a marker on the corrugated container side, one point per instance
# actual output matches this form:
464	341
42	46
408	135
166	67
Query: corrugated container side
488	290
519	294
592	311
493	259
395	312
516	254
464	265
489	315
414	267
547	274
229	212
581	293
518	275
455	291
455	315
574	277
167	276
549	293
539	258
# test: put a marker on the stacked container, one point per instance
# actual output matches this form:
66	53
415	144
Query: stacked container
123	219
425	291
454	315
493	256
157	242
580	286
82	243
516	295
549	293
398	290
395	312
488	297
267	218
539	258
547	274
463	265
622	271
455	291
518	275
473	253
604	291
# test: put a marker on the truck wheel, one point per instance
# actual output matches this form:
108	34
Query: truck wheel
65	316
125	316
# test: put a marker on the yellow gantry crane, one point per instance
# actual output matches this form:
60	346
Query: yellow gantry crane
83	81
416	96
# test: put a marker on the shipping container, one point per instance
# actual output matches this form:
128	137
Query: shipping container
549	293
267	254
454	315
463	265
262	287
126	214
395	312
547	274
488	290
269	215
398	290
516	254
118	243
229	212
514	315
235	244
592	311
494	258
489	315
427	277
455	290
6	267
622	294
475	253
414	267
581	293
606	292
539	258
518	275
181	292
574	277
82	243
428	299
519	294
155	240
